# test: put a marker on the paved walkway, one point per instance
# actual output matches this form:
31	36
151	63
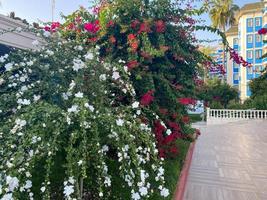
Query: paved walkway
229	163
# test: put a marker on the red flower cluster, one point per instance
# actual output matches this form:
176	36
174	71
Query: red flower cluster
187	101
185	119
144	28
166	143
147	98
133	42
132	64
110	24
92	27
160	26
54	26
135	24
112	39
262	31
238	59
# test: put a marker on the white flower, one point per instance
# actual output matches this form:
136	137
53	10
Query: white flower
168	132
28	184
12	182
143	191
35	43
80	162
107	181
102	77
119	122
136	196
30	63
164	192
80	48
71	180
24	101
47	34
135	104
20	122
105	148
68	190
79	95
22	79
7	196
74	108
78	64
36	97
138	112
65	96
101	194
90	107
72	85
49	52
116	75
42	189
89	56
1	81
9	66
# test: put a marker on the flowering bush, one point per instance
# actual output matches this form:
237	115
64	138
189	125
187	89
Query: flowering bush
158	46
66	134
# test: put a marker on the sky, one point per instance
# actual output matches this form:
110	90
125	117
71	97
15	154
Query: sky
40	10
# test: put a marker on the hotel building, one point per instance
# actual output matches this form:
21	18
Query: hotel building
244	38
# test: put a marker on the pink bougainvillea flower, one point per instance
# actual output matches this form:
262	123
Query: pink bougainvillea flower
131	37
55	25
92	27
160	26
147	98
262	31
110	24
135	24
47	28
144	28
93	39
186	101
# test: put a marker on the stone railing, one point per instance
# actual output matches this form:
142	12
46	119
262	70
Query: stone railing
225	115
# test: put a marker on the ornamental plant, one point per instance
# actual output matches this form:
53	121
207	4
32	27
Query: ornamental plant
156	41
66	134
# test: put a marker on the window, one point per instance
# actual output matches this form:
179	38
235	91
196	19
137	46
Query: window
258	38
235	41
236	65
258	21
236	77
258	54
250	22
250	70
249	39
249	55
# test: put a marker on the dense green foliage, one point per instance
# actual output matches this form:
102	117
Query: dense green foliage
217	94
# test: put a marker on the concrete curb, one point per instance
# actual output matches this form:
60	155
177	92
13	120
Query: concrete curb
180	189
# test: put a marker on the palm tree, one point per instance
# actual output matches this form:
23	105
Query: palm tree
222	15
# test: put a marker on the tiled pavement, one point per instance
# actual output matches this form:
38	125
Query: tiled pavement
229	163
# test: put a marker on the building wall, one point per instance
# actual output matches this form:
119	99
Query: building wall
232	68
22	40
250	47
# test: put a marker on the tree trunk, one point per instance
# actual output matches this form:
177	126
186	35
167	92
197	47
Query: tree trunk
224	56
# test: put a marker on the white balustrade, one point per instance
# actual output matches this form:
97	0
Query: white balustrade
222	115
